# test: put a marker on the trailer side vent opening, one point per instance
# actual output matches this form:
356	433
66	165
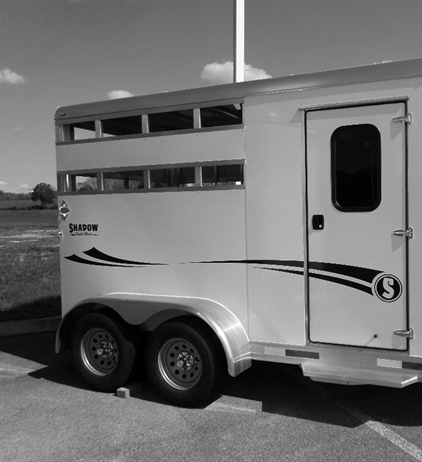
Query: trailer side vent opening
155	122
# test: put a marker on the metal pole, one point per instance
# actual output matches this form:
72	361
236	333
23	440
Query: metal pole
239	41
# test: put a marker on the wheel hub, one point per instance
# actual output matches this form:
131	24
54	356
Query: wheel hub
185	361
105	349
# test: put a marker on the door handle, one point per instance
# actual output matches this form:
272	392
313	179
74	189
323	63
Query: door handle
318	222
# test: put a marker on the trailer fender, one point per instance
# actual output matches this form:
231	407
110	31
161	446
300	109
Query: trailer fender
151	310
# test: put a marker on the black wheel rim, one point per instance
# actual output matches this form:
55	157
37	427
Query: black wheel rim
99	351
180	364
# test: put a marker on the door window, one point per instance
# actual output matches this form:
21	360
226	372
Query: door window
356	168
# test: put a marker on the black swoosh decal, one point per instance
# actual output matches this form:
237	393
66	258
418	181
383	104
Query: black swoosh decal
356	272
343	282
366	275
336	280
294	263
279	270
77	259
95	253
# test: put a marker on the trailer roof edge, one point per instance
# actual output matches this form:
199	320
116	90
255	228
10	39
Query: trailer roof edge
231	91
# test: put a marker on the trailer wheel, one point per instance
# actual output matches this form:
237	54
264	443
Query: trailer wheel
104	351
184	363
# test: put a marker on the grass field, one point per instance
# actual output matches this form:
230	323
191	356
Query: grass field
29	271
19	204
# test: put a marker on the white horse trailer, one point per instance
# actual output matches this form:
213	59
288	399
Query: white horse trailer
274	220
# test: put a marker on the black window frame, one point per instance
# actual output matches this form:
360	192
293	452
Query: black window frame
375	174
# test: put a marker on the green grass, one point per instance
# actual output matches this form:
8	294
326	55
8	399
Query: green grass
29	270
33	218
16	203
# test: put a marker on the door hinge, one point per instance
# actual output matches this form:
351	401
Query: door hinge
404	333
404	232
405	119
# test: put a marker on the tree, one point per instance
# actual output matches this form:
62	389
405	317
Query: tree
43	192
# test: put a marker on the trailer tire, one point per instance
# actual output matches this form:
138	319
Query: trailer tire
183	361
104	351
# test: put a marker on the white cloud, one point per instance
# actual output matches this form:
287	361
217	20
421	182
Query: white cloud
8	76
116	94
22	189
215	73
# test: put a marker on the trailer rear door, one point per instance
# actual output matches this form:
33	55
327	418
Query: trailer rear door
356	194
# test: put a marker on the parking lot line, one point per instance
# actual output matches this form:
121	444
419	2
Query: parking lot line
11	372
374	425
243	407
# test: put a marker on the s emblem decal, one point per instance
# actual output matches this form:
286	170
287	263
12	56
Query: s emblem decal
388	288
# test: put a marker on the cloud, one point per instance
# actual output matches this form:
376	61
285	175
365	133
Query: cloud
215	73
8	76
22	189
116	94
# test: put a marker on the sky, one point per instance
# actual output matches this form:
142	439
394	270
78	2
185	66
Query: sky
61	52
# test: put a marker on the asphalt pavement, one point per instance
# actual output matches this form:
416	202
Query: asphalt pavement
29	326
269	413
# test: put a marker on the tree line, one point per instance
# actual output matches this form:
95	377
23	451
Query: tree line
8	196
43	192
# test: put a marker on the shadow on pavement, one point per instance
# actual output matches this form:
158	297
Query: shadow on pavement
39	348
34	347
282	389
278	389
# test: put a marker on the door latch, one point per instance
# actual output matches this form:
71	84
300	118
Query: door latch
404	232
405	119
404	333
